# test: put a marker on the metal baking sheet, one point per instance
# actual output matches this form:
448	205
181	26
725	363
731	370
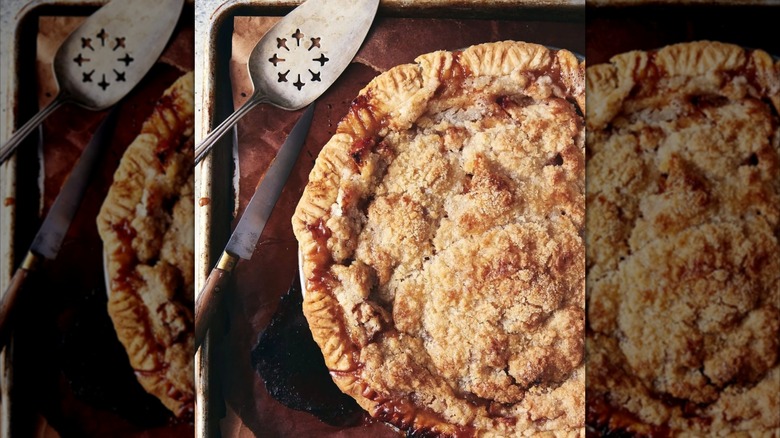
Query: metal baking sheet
57	373
233	401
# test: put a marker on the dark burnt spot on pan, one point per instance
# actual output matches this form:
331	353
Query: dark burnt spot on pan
95	365
291	365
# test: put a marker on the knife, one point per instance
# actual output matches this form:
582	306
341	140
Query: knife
244	239
49	238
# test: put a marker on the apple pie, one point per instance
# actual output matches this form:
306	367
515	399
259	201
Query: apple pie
146	223
683	199
441	236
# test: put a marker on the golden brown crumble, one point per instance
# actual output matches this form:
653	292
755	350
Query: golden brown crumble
441	234
146	224
682	229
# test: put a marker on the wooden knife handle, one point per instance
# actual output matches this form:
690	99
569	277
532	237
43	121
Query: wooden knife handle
211	295
11	295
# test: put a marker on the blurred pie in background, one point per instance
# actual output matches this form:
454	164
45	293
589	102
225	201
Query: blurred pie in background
147	227
683	223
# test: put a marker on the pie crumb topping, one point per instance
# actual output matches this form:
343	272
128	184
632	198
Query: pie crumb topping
441	237
683	253
146	223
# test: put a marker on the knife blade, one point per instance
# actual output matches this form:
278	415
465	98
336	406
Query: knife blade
48	240
244	239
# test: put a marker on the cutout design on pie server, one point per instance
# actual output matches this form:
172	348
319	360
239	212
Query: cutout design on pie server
96	46
296	50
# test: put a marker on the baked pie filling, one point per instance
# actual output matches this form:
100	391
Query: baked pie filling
146	224
441	238
683	197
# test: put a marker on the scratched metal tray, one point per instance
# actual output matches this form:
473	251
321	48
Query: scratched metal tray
28	183
232	399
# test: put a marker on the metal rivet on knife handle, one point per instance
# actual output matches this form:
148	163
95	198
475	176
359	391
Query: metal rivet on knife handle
209	297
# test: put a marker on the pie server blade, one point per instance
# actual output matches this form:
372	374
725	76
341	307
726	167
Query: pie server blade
106	57
301	57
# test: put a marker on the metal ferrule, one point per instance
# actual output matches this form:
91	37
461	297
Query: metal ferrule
30	261
227	262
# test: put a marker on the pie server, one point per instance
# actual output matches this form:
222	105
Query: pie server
49	239
300	57
106	56
244	239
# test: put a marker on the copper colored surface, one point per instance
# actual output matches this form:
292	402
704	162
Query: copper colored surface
69	366
259	283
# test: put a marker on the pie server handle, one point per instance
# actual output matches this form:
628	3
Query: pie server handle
209	298
11	295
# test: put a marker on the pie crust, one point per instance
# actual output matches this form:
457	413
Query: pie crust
441	241
683	198
146	223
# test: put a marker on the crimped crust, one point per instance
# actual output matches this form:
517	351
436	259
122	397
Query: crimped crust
683	257
146	223
440	234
